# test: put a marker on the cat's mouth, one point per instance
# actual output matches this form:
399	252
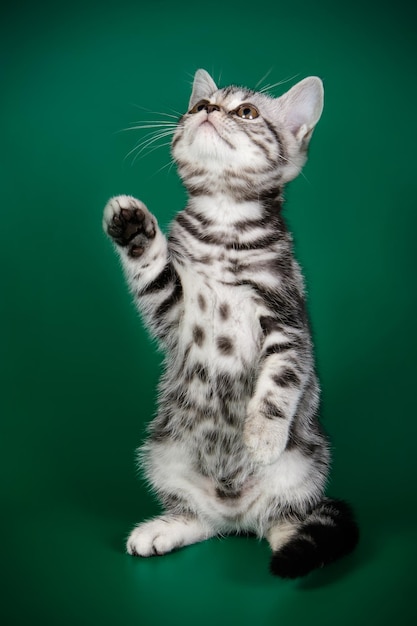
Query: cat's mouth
207	122
211	127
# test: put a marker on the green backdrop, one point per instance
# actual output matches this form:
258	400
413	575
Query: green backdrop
78	372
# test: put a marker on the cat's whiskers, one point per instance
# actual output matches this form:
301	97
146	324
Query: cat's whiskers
159	130
168	143
264	77
145	143
269	87
291	162
170	164
162	113
150	124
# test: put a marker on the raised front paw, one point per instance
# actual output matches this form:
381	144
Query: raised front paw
264	437
129	223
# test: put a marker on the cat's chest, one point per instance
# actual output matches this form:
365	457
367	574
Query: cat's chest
220	321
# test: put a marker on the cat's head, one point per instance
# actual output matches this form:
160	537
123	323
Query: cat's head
244	142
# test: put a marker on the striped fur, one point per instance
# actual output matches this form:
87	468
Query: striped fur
236	444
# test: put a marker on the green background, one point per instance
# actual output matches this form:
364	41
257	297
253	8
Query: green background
78	372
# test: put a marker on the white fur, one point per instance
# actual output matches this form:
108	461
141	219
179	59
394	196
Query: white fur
164	534
289	478
280	534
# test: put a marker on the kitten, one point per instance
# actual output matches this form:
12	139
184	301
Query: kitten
236	445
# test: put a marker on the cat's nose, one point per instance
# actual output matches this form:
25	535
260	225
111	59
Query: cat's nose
211	107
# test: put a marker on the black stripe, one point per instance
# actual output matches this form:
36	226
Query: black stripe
223	494
282	151
261	242
287	378
272	411
244	225
227	142
262	147
201	372
278	348
176	140
272	200
224	344
169	302
184	221
195	189
307	448
166	276
269	324
226	91
288	306
205	221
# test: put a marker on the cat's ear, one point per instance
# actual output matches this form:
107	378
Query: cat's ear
203	87
301	107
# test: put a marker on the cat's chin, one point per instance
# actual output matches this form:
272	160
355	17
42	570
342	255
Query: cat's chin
208	137
207	150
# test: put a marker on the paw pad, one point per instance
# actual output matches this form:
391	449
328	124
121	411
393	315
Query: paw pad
129	224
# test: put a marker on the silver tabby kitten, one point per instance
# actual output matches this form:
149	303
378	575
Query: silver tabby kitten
236	445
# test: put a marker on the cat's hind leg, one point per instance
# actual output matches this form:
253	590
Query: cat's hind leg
328	533
166	533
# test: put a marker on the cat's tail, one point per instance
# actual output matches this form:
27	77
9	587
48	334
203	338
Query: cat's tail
328	533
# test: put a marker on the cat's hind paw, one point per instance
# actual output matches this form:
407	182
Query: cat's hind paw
129	223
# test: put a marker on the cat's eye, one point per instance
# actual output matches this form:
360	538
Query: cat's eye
201	104
247	111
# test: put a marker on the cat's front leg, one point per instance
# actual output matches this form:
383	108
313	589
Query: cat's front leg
166	533
265	432
149	270
271	409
